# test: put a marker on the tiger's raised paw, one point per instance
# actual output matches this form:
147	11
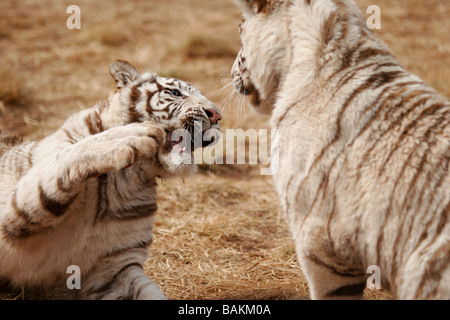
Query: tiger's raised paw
136	141
112	150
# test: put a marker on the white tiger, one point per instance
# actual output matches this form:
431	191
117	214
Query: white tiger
86	195
364	148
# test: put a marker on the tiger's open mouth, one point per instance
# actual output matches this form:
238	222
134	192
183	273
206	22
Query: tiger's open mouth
188	139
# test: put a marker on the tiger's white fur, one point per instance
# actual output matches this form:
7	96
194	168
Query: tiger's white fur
86	195
364	148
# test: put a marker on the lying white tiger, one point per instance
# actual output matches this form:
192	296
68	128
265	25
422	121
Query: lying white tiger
86	195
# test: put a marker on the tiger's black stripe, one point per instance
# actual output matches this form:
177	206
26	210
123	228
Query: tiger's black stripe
108	286
142	244
57	208
133	114
342	273
102	198
24	215
135	212
348	290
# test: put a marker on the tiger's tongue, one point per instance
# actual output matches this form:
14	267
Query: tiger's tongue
177	146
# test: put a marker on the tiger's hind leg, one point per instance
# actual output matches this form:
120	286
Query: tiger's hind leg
121	277
327	281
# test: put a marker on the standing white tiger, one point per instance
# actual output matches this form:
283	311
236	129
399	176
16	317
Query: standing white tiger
364	148
86	195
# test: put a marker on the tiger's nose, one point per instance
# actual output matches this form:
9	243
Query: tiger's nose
213	115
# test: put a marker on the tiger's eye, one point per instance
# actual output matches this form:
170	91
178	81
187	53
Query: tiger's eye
175	93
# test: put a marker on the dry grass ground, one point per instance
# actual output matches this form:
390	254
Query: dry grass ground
220	234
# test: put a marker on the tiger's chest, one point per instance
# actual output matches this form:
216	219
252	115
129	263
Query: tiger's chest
109	214
114	211
297	142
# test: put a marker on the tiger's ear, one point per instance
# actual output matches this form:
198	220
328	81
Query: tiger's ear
123	73
252	7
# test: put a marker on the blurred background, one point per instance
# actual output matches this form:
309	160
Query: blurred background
218	235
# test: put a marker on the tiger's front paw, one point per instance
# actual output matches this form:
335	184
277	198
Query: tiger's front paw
112	150
142	141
